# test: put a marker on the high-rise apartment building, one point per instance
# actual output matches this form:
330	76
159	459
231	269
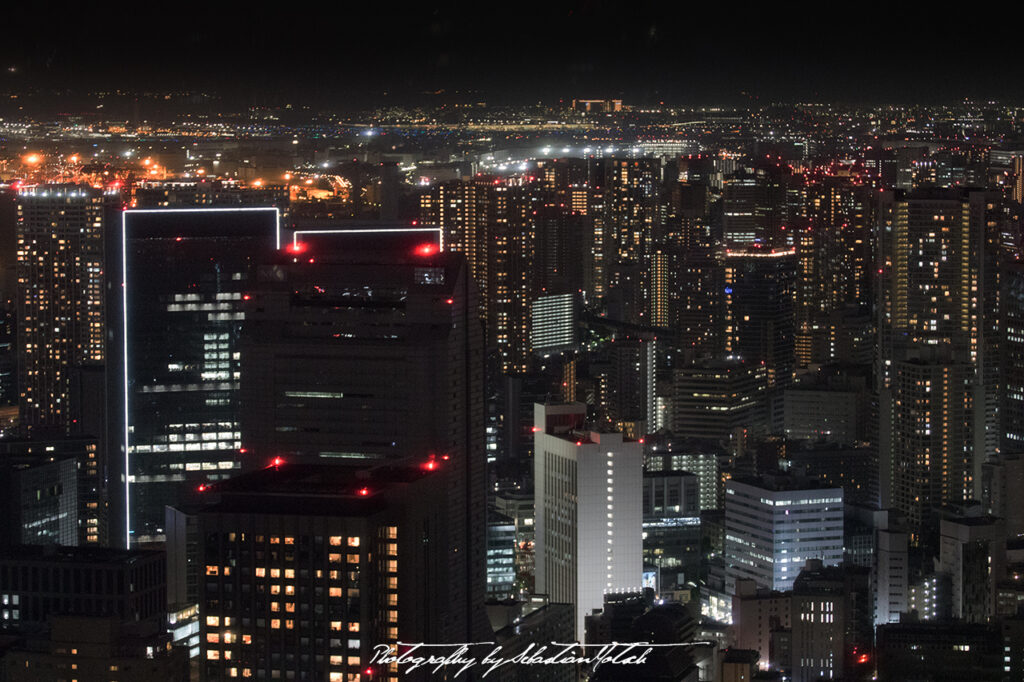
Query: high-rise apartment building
62	233
930	460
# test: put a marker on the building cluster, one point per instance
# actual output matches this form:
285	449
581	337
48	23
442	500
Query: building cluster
761	400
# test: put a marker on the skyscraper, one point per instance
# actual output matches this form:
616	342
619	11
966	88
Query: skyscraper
588	492
186	274
307	568
773	524
940	261
352	356
759	316
930	460
61	311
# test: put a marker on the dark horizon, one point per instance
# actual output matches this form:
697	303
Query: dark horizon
378	55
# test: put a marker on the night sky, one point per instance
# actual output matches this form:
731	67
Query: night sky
509	52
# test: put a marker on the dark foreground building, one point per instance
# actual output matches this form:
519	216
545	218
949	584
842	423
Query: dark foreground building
307	568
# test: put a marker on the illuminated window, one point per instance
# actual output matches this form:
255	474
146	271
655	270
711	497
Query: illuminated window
289	573
353	542
336	625
213	655
246	639
334	558
275	624
261	572
213	621
353	627
335	592
212	570
353	558
275	573
335	541
212	638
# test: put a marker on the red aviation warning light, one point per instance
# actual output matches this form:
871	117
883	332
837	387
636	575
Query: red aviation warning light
363	492
427	250
276	462
295	247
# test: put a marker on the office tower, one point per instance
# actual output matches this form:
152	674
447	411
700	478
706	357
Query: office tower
774	523
501	551
553	323
723	401
930	459
672	538
186	272
972	551
369	357
705	459
759	321
81	486
307	568
589	517
62	232
743	211
39	501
